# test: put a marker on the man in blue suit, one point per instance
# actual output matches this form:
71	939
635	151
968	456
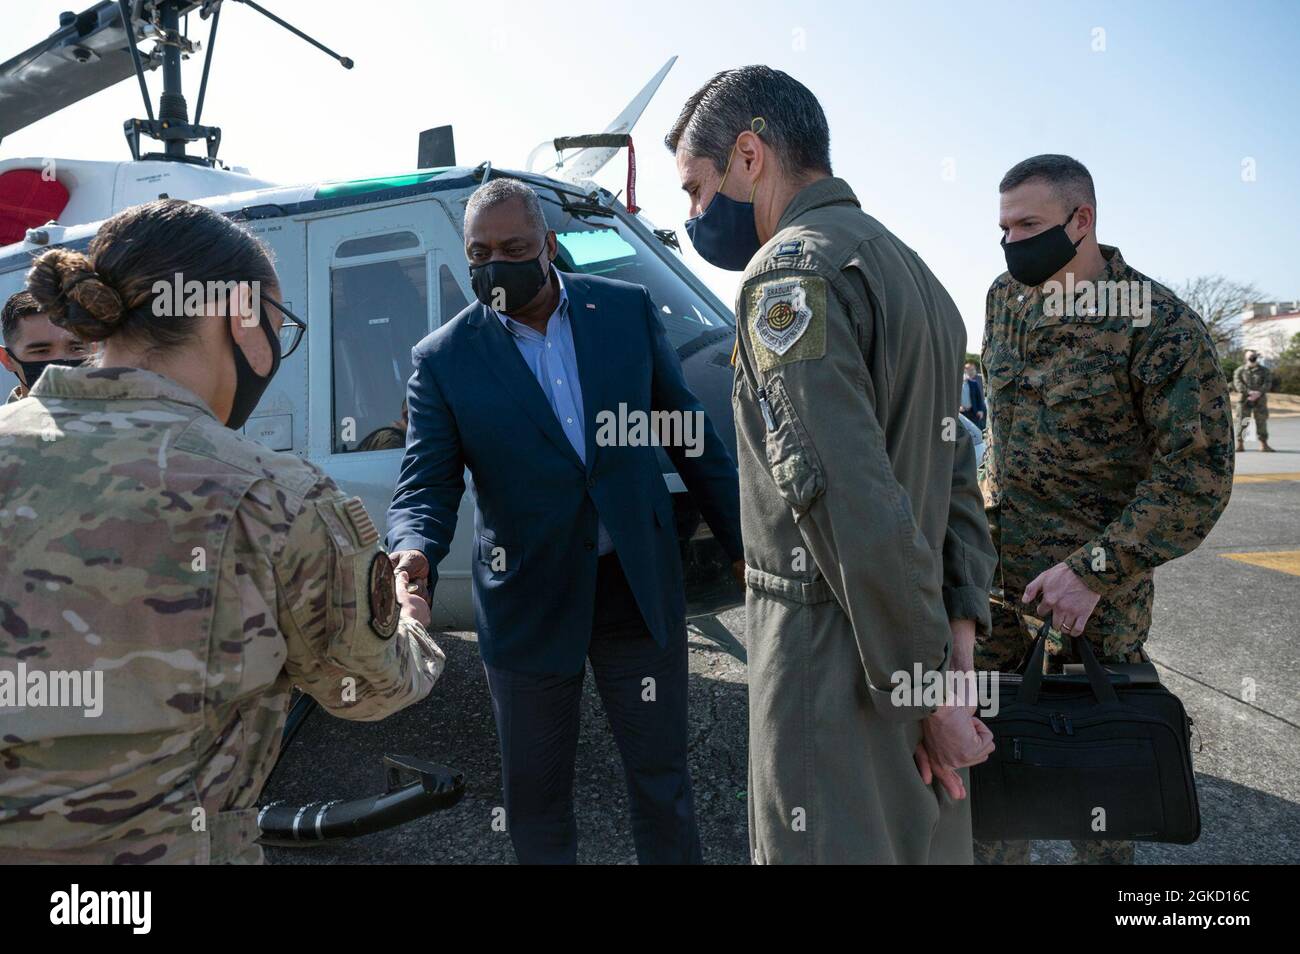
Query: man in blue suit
576	554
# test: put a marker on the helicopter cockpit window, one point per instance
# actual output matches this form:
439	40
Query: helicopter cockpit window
380	311
597	244
377	244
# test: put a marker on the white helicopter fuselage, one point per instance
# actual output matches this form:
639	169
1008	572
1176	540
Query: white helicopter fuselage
373	266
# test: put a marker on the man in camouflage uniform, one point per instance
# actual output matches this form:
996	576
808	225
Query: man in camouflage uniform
1252	382
203	576
866	548
1110	446
32	342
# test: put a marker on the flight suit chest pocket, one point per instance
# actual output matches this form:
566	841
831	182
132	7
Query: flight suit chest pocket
792	459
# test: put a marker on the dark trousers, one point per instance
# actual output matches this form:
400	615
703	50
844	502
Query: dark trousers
537	723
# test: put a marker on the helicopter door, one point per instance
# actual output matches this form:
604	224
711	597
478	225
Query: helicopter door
379	278
373	274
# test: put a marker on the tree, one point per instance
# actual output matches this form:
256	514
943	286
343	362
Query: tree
1220	302
1291	353
1286	370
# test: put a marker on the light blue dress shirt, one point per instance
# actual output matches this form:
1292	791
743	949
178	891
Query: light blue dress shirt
554	363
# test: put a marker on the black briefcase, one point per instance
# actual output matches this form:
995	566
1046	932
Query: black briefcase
1092	756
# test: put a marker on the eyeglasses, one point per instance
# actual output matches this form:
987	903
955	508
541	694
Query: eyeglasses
292	328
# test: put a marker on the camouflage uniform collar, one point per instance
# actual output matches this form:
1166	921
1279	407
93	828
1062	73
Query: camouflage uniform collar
114	384
1116	269
1028	297
828	191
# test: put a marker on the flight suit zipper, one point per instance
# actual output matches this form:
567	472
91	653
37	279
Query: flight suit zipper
766	408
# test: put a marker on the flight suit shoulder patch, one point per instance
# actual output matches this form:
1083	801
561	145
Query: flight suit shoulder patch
787	320
383	596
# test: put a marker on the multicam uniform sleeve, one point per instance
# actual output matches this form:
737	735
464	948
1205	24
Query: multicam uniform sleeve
1184	404
349	647
826	452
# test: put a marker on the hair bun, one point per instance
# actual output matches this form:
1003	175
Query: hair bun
67	287
96	298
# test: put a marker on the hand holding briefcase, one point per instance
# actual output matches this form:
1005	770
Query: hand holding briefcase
1097	756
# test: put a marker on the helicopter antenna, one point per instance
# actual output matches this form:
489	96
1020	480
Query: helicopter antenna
346	63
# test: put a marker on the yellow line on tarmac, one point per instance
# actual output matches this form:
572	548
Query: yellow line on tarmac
1263	478
1284	561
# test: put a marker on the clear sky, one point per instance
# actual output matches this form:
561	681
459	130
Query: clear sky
928	103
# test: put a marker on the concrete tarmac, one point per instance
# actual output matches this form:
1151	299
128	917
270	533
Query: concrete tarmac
1226	638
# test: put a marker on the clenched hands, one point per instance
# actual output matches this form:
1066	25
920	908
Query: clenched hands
952	737
412	570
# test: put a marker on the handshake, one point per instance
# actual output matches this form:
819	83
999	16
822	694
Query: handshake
952	737
412	571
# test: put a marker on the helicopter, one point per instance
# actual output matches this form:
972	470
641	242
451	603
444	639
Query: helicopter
373	265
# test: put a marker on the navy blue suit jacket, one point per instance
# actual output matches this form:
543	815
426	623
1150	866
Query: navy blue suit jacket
474	403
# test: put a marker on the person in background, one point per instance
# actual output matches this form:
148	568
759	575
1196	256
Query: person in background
1252	382
388	437
32	343
972	396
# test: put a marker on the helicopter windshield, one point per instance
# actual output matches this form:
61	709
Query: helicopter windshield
599	243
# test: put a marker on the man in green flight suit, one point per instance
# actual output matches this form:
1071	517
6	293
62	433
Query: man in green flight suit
868	557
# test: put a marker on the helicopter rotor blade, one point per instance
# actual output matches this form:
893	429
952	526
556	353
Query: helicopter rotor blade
89	52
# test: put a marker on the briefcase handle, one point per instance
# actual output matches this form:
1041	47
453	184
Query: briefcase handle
1032	681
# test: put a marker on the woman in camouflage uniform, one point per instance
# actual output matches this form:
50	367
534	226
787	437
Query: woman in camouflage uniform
178	575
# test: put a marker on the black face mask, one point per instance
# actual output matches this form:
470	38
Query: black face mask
32	370
249	385
509	286
1034	260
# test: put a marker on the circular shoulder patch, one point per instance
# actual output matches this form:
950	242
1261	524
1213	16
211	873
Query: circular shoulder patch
383	596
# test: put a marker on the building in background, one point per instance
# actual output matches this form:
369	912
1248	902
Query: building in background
1268	327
